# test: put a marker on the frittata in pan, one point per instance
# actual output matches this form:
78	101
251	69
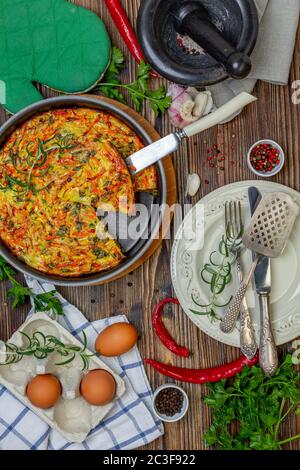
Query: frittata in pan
55	171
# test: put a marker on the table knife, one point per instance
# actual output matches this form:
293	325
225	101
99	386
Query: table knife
268	356
163	147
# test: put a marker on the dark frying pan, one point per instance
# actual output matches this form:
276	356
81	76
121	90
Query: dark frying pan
151	226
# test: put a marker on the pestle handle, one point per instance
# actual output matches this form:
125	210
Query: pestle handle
192	19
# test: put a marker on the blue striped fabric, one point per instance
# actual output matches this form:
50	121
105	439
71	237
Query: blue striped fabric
130	423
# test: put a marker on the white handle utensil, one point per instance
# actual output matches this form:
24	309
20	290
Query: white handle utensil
163	147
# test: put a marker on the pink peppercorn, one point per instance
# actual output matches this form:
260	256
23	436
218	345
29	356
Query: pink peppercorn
265	157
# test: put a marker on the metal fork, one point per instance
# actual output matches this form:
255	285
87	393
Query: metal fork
235	228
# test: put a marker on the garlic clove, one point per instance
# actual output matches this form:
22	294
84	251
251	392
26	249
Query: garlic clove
210	103
193	185
201	102
188	105
187	111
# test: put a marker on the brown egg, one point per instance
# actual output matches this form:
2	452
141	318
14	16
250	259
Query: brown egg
98	387
43	391
117	339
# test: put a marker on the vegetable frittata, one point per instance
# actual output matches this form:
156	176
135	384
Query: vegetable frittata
56	170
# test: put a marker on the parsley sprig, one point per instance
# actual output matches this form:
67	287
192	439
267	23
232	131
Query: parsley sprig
139	90
44	302
258	404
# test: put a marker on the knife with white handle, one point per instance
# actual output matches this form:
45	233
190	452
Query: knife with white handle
163	147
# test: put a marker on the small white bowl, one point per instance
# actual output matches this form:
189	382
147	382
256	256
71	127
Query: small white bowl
178	416
277	169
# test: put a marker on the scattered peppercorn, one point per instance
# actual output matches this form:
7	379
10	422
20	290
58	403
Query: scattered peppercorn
265	158
169	401
215	156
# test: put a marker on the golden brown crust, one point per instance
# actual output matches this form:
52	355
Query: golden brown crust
55	170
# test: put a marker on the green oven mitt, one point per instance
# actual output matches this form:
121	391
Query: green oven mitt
52	42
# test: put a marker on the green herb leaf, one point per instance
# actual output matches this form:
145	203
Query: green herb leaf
45	302
195	312
18	293
111	76
48	302
5	270
257	405
217	273
40	346
139	90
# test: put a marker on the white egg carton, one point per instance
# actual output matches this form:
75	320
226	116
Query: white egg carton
71	416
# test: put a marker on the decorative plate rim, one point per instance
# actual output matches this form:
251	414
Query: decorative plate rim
210	201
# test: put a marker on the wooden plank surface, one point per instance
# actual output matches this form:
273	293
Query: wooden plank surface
135	295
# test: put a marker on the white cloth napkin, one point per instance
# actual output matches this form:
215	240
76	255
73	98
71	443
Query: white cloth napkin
273	53
130	423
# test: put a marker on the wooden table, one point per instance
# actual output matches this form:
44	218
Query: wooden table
135	295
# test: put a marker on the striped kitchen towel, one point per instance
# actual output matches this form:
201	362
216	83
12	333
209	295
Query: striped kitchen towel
130	423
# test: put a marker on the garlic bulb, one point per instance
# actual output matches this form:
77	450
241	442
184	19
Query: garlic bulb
193	185
188	105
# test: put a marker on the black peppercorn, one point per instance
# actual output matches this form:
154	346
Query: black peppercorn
169	401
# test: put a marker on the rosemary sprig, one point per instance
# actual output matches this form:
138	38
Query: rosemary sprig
41	346
217	273
34	162
45	302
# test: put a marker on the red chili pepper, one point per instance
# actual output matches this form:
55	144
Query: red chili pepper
162	331
201	376
121	21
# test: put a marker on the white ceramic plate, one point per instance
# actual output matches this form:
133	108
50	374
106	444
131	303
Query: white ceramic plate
188	258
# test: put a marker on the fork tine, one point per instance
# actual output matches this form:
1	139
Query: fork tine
235	219
240	218
226	215
231	217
